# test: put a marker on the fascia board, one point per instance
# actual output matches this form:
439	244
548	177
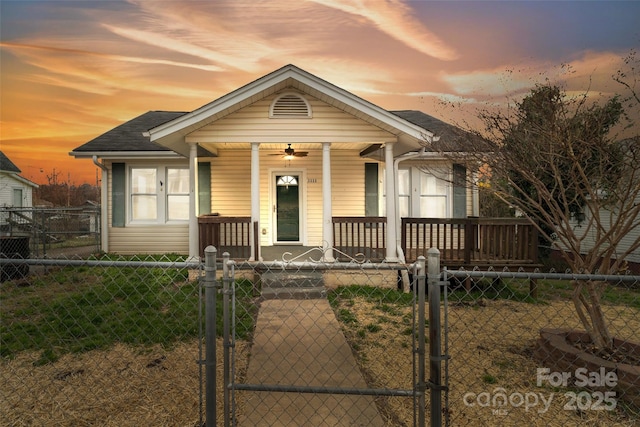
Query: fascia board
25	181
126	154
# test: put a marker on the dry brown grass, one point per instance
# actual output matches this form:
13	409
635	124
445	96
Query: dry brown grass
123	386
491	346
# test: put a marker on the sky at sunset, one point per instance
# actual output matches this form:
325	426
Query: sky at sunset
72	70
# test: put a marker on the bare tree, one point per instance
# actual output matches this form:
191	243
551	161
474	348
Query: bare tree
559	160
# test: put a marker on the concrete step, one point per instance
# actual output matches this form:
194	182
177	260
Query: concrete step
293	285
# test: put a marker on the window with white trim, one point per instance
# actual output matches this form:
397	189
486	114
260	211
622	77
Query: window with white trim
423	193
177	194
404	193
159	195
17	197
433	193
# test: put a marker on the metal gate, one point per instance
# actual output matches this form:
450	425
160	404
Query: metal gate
309	342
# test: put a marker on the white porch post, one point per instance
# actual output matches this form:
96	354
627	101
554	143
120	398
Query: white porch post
255	196
391	201
327	224
194	243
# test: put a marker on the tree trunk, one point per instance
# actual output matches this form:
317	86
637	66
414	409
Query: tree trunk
586	299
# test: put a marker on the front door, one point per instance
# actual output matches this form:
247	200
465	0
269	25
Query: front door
287	208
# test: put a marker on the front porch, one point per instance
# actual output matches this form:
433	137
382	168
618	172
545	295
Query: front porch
463	242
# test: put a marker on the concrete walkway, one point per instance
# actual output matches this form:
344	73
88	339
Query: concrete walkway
299	342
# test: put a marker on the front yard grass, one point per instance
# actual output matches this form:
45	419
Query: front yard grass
77	309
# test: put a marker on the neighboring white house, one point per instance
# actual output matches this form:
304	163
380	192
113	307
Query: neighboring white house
589	236
15	190
288	150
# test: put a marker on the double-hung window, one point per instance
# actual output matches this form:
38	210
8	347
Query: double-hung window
159	194
423	192
433	193
144	194
177	194
17	197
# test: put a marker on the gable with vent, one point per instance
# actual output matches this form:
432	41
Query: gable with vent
290	105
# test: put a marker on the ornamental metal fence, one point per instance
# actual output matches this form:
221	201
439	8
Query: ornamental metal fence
125	341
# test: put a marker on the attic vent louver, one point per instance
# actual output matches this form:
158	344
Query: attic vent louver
290	105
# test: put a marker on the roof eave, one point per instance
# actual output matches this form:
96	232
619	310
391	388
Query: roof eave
21	179
126	154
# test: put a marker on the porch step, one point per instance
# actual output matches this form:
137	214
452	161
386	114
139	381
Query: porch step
293	285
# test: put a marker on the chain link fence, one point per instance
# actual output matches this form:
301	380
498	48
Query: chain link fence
49	232
120	341
519	356
333	343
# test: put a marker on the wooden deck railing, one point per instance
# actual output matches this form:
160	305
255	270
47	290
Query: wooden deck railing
360	235
472	241
228	234
462	242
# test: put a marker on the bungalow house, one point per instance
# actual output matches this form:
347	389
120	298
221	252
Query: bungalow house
289	152
15	191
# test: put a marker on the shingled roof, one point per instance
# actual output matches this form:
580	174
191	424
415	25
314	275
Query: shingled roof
452	138
129	136
7	165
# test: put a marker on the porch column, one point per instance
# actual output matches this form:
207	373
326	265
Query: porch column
391	202
194	243
327	224
255	197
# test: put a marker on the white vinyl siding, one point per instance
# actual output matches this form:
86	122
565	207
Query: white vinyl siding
149	239
253	124
146	238
9	188
625	243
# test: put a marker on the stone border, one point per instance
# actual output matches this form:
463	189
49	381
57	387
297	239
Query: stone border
556	349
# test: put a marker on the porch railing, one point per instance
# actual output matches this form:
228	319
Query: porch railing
472	241
232	234
360	235
461	241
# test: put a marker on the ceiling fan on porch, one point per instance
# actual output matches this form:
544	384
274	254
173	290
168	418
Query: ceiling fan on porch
289	153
